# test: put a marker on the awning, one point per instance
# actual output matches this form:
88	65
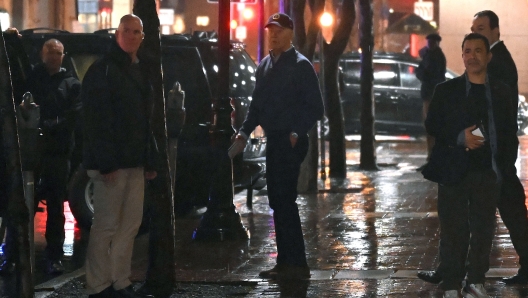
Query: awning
411	23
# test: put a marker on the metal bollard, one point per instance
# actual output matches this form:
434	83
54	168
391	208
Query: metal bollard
28	117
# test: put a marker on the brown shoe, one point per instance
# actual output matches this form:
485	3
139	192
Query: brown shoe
271	273
289	272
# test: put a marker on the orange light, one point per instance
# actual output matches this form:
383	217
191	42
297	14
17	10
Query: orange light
326	19
234	24
248	13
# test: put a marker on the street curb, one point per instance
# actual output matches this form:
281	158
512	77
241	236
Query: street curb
47	288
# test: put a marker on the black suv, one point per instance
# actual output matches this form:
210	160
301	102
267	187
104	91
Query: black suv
189	65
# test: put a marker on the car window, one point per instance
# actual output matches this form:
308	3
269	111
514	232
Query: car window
242	74
386	74
241	71
408	76
79	63
351	72
183	65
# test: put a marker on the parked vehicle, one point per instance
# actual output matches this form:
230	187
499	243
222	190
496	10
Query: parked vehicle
189	65
398	105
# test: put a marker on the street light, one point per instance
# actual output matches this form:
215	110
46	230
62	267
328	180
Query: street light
326	20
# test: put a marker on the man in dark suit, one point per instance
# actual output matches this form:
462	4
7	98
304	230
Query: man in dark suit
511	204
474	128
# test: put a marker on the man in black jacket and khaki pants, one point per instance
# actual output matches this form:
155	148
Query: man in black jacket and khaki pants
117	99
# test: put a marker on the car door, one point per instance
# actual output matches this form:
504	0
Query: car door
350	95
409	101
386	84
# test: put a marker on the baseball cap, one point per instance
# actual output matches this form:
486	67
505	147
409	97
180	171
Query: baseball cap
280	19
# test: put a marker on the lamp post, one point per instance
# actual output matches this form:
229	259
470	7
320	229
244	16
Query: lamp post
221	221
326	20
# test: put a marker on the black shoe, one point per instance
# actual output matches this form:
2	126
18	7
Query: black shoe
129	292
54	267
421	168
518	279
430	276
106	293
290	272
271	273
7	267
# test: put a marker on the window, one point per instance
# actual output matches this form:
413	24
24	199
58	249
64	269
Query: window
408	76
386	74
351	72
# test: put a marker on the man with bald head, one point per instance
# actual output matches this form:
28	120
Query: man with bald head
119	155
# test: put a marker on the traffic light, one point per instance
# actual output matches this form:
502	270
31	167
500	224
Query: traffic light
248	14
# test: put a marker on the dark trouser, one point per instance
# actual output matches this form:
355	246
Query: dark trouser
52	187
512	209
282	172
467	221
54	178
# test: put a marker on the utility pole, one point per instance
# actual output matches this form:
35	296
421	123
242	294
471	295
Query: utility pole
221	221
18	218
367	160
161	273
260	48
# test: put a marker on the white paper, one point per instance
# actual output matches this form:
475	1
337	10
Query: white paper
477	132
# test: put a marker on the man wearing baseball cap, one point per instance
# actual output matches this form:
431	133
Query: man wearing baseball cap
286	103
431	71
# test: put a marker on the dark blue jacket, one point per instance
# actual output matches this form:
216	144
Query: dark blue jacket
431	70
287	97
116	109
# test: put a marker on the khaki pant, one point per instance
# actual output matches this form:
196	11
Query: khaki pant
118	211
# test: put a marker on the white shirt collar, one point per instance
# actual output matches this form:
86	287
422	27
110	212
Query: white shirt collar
491	46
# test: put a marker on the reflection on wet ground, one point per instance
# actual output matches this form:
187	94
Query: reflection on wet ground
366	236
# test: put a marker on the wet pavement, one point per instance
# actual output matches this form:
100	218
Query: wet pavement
366	236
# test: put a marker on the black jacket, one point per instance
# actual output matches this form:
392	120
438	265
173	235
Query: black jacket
286	97
117	109
431	70
58	96
448	116
503	68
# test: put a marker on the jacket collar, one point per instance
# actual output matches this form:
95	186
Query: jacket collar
288	53
119	56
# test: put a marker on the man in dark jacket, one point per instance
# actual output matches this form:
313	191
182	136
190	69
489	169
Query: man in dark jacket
475	131
118	154
287	103
57	92
511	205
430	72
